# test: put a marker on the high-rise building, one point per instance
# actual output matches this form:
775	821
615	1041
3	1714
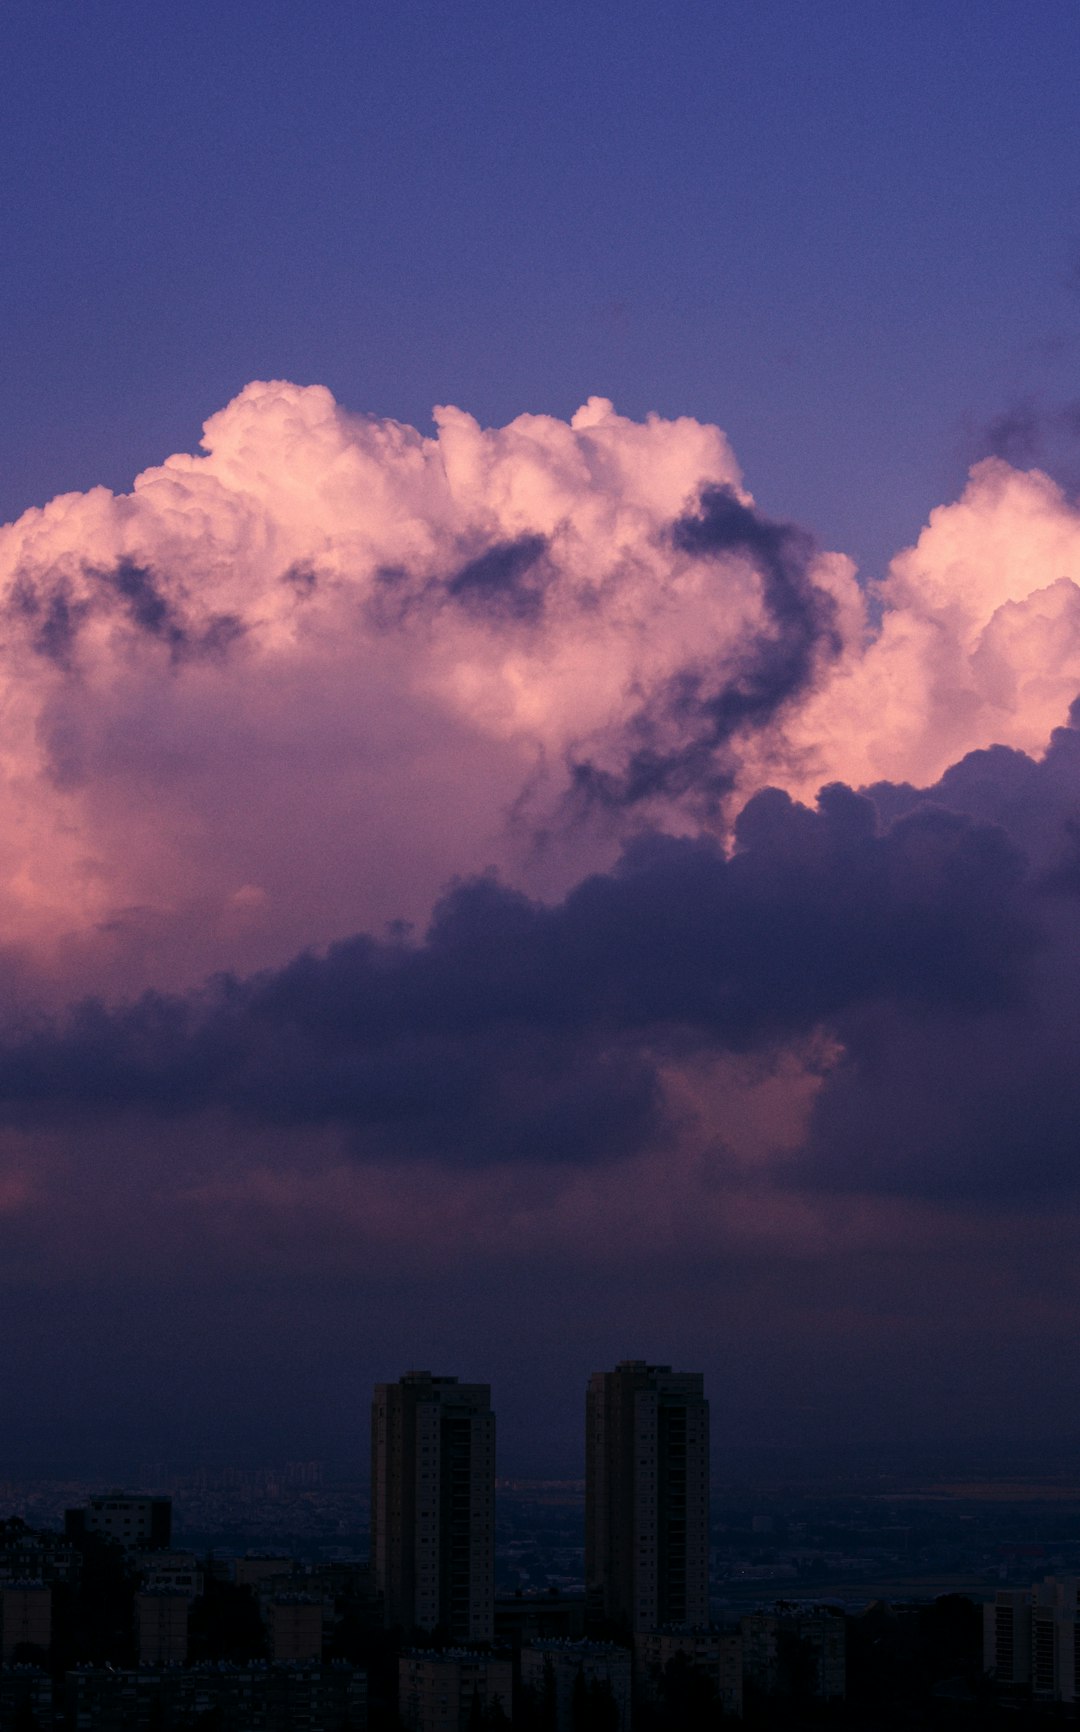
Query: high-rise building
433	1505
647	1496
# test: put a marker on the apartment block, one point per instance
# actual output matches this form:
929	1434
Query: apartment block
134	1521
715	1653
563	1675
161	1620
433	1505
25	1617
1031	1640
796	1648
443	1691
170	1572
295	1624
647	1496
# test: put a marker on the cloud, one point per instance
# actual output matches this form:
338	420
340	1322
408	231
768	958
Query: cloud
936	1104
679	735
288	688
521	1031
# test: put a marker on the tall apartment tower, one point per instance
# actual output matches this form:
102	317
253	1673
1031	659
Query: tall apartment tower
433	1505
647	1496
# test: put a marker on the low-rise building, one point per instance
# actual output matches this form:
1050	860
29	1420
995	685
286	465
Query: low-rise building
796	1650
135	1521
438	1691
565	1674
258	1567
161	1620
171	1572
295	1625
246	1698
1007	1638
29	1554
522	1618
25	1689
1031	1640
25	1617
715	1653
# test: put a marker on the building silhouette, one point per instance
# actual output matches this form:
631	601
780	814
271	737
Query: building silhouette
1031	1640
716	1654
131	1520
454	1689
796	1648
647	1496
566	1678
433	1505
161	1624
25	1616
296	1627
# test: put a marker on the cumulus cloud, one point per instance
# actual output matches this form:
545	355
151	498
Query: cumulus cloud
287	688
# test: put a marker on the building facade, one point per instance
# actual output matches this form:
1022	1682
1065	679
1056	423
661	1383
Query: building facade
133	1521
25	1617
647	1496
433	1505
717	1654
241	1698
796	1650
170	1572
563	1673
444	1691
295	1624
161	1621
1031	1640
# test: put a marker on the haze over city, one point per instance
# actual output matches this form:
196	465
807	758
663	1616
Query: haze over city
539	768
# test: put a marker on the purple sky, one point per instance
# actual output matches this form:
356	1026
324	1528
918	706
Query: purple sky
515	885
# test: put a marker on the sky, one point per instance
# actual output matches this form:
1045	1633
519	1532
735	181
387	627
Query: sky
538	769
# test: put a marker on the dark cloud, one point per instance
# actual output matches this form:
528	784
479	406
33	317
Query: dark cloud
301	576
507	579
506	582
55	615
675	744
518	1030
149	607
941	1104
